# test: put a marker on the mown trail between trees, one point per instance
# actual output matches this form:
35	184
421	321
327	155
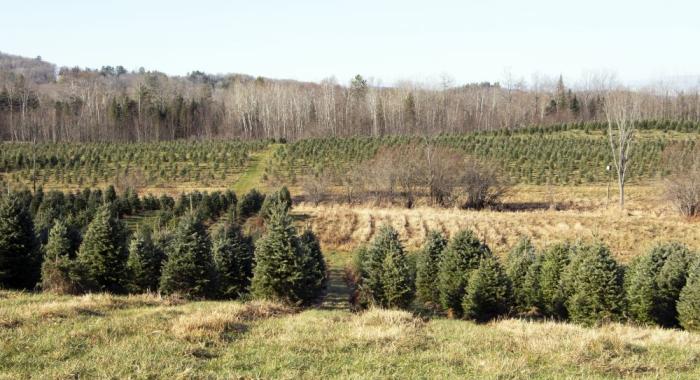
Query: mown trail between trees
252	175
338	292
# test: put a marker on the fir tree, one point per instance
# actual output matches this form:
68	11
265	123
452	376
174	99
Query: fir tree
250	204
520	258
386	240
20	260
233	257
654	282
279	261
396	278
57	268
462	255
427	268
555	259
595	281
689	300
314	266
145	261
488	293
103	254
189	268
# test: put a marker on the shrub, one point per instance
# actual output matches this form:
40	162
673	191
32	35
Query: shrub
654	282
57	268
689	300
189	268
520	259
103	254
145	261
555	260
20	261
594	281
233	257
427	265
488	293
462	255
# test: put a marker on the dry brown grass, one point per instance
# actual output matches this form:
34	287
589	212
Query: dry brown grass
583	215
214	323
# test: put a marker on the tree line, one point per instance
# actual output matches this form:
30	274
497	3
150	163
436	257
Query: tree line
114	104
582	283
102	255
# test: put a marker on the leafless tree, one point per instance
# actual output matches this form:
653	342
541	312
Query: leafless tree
683	184
622	113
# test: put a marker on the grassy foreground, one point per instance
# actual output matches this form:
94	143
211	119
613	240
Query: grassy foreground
103	336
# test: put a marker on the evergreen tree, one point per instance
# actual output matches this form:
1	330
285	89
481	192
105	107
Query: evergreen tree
555	260
189	267
103	255
233	257
385	241
689	300
314	266
145	261
20	260
279	260
396	278
533	298
488	293
654	282
519	261
595	281
427	268
250	204
57	268
462	255
282	197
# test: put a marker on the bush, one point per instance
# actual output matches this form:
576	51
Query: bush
520	259
594	283
233	257
189	268
689	300
654	282
555	260
145	261
462	255
20	260
427	269
103	254
57	268
488	293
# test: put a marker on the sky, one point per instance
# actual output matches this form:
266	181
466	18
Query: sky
389	41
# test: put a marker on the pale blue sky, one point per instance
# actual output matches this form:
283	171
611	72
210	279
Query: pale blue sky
389	40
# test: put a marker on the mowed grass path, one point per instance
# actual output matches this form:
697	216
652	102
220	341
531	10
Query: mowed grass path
147	337
252	176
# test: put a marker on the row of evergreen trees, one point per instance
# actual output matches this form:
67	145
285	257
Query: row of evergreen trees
190	261
578	282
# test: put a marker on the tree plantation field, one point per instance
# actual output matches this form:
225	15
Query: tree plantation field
484	255
103	336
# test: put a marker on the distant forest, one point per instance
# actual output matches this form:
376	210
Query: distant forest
40	102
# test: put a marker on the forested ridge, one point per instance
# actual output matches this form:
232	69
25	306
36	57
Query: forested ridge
41	102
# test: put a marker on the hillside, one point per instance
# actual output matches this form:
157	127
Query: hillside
145	336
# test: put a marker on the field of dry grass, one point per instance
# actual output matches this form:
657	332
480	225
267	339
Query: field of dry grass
579	213
104	336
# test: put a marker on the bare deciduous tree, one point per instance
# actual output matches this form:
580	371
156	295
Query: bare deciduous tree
622	113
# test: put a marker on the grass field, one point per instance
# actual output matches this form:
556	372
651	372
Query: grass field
102	336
